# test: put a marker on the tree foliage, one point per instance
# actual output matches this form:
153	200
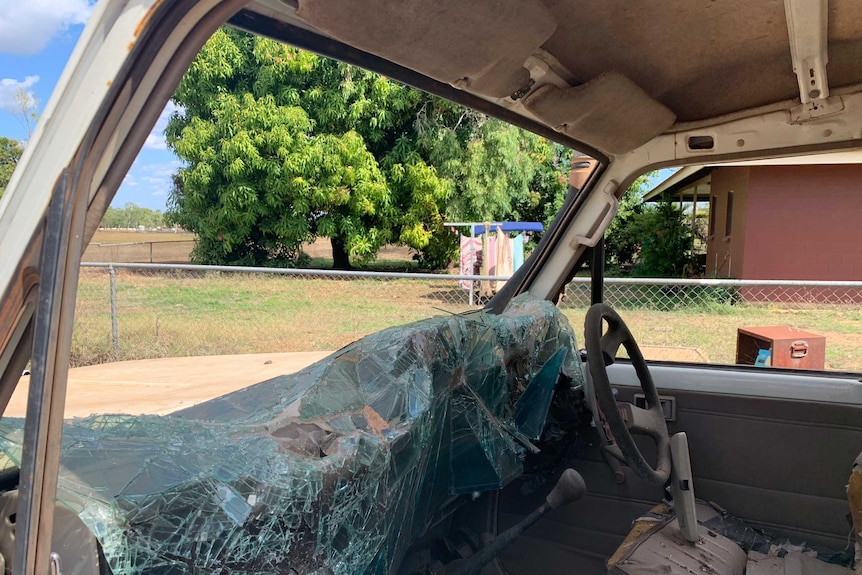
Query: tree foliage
282	146
10	153
622	241
666	241
23	108
653	240
131	216
498	173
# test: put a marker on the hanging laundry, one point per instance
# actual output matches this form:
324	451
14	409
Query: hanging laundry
489	264
517	252
492	253
471	254
504	257
479	257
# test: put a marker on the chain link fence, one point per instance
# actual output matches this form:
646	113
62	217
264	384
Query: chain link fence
168	251
673	294
132	311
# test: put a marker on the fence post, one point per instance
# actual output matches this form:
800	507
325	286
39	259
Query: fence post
115	320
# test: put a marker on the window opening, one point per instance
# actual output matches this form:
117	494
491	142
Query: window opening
713	203
728	222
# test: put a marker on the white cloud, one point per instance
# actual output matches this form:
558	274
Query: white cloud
148	183
155	142
9	88
156	139
155	177
26	26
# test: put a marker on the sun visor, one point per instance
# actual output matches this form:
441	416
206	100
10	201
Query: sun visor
480	47
609	112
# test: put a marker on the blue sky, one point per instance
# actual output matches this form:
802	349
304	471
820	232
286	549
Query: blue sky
36	39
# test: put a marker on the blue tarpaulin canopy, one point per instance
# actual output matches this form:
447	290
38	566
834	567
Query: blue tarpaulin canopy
478	228
510	227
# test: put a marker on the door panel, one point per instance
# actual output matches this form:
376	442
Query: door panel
772	447
780	463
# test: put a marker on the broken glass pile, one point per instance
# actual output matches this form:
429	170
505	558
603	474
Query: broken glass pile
334	469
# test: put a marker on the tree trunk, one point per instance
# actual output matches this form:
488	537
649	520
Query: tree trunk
340	257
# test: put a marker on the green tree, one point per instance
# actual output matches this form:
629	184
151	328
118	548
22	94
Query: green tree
654	240
493	174
277	143
132	216
10	153
667	241
623	238
550	182
282	146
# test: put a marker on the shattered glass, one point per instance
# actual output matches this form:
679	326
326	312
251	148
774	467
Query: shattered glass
531	410
334	469
760	541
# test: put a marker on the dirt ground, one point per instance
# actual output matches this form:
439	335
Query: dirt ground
323	249
159	386
132	246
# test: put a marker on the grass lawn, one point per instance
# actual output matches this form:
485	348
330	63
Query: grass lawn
711	335
187	314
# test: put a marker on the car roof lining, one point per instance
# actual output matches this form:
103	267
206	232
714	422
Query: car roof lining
479	46
698	71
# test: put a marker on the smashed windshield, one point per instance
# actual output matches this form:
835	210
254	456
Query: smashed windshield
335	468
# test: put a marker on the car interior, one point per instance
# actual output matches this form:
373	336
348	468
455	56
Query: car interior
641	467
774	467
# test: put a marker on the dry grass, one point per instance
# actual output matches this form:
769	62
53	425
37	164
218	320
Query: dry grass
131	246
128	246
711	334
131	236
171	315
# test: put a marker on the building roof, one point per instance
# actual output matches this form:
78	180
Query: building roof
685	181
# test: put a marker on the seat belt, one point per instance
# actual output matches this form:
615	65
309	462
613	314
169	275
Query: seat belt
682	488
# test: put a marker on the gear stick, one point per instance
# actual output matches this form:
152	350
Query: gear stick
569	488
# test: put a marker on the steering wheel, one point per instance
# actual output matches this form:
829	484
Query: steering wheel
624	419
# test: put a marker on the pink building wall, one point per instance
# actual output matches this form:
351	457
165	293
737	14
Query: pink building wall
725	254
802	223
